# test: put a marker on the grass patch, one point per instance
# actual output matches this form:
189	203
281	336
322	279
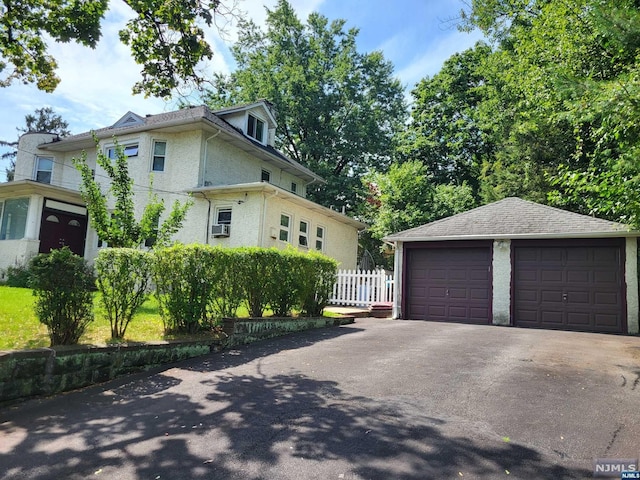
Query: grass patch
20	328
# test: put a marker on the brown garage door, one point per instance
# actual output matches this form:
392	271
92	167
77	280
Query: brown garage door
569	286
449	284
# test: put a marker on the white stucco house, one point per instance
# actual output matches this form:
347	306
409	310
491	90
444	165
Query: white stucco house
519	263
245	192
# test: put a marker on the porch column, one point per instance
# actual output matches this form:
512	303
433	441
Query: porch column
501	304
34	215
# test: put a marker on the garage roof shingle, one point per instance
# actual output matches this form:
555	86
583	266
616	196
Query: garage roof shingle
513	218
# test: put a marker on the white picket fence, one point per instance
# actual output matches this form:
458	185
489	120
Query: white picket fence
362	287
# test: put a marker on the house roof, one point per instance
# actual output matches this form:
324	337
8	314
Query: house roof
183	120
513	218
212	191
21	188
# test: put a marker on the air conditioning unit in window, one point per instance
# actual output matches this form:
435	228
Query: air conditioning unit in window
220	231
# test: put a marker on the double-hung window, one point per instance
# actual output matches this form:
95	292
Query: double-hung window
159	156
303	236
44	169
223	216
255	128
320	236
285	227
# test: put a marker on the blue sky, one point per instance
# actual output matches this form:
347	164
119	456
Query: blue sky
417	36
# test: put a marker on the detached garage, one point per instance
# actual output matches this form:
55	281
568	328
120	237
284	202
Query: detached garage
519	263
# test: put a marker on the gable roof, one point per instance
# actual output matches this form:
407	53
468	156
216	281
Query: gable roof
182	120
513	218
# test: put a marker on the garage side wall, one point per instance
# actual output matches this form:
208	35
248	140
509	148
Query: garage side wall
501	267
631	280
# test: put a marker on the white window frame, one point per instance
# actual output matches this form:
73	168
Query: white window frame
154	156
265	173
286	229
223	208
37	168
294	187
8	228
110	149
303	237
253	131
321	238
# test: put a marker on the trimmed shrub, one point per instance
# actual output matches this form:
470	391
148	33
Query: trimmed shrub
184	285
288	271
62	283
317	283
228	288
123	280
18	276
257	277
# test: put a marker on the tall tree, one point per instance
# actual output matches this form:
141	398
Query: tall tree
118	226
445	132
575	66
338	109
44	120
406	197
166	37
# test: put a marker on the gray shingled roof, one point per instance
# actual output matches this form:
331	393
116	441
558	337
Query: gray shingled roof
513	218
182	116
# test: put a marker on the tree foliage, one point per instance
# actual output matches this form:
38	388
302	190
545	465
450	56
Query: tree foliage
566	74
118	226
338	109
407	197
167	38
43	120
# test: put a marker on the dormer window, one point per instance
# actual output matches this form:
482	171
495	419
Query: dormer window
255	128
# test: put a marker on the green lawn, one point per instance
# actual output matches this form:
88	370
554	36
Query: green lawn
20	328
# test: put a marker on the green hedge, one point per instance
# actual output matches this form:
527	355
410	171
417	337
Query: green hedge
199	284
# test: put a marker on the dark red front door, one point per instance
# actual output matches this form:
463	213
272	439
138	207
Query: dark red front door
59	229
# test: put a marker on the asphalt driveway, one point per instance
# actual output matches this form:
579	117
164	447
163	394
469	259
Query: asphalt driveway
379	399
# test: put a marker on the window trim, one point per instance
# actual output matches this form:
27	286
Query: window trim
321	238
163	156
252	132
285	228
38	170
3	212
221	208
268	175
294	187
111	147
302	234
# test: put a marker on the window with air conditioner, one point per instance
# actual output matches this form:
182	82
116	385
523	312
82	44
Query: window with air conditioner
222	224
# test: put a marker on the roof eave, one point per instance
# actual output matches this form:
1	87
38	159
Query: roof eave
268	187
515	236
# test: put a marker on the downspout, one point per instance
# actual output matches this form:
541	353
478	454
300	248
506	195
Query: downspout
204	175
264	215
204	156
206	234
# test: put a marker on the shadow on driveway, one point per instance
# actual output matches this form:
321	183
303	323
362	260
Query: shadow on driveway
217	424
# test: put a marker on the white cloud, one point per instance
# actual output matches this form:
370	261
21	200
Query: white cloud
430	59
